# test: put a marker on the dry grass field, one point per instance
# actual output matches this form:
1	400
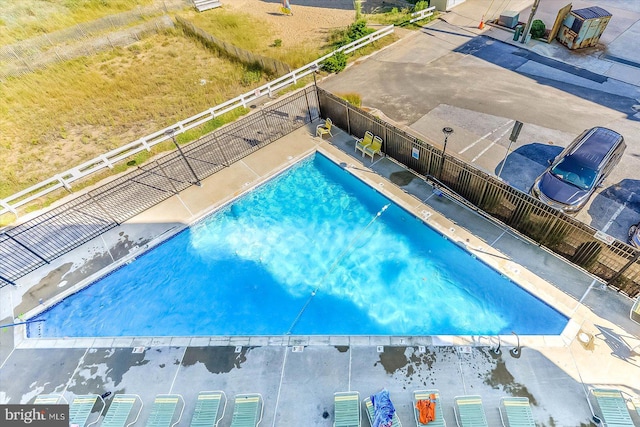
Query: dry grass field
70	112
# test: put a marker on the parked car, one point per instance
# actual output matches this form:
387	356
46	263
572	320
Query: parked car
573	176
634	235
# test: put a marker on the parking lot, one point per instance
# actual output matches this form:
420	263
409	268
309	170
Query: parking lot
479	86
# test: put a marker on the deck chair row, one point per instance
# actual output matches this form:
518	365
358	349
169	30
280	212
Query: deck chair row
167	409
427	409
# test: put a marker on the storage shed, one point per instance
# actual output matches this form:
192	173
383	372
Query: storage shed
583	27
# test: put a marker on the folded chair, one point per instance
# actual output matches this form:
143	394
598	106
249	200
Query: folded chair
50	399
469	411
347	409
164	409
364	142
368	407
120	410
247	410
81	408
208	408
516	412
374	148
433	398
324	129
611	407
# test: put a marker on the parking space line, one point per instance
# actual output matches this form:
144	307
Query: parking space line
484	137
490	145
617	213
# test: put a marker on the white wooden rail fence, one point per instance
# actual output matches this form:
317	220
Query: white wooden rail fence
107	160
421	14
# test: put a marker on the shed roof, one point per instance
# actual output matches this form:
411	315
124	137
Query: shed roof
592	12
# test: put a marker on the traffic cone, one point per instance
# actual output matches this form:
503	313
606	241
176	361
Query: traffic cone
481	25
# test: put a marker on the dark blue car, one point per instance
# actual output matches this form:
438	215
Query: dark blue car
572	177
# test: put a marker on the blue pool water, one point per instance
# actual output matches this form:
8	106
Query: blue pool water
306	253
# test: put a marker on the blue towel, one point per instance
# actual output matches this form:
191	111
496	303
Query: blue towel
383	409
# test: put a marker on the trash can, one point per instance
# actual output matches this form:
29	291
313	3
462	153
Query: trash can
518	32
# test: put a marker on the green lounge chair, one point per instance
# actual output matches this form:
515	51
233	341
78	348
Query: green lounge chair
208	408
516	412
374	148
247	410
347	409
612	408
368	406
50	399
120	410
426	395
324	129
469	411
364	142
81	408
164	410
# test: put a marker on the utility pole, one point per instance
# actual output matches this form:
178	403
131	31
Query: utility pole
525	33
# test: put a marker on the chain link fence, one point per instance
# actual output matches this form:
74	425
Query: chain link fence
616	263
37	242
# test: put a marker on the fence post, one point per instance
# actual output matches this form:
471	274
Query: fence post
8	207
625	268
226	161
175	190
37	255
306	98
106	212
348	120
4	279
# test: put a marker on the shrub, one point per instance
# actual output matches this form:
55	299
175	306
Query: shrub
277	43
537	29
420	5
357	30
352	98
335	63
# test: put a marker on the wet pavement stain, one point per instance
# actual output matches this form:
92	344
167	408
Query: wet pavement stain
401	178
393	359
113	363
500	376
342	348
217	360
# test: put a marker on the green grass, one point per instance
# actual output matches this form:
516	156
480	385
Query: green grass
22	19
73	111
400	18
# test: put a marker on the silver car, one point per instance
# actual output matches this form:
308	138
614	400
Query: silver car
573	176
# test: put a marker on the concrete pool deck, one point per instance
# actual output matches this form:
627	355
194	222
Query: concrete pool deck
297	376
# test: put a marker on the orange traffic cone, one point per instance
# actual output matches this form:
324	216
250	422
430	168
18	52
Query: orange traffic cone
481	25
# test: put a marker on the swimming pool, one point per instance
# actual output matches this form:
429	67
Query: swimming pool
314	251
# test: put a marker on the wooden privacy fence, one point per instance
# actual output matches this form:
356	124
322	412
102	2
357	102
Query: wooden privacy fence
615	262
40	240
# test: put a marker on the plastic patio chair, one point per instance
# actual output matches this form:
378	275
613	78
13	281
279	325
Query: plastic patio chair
374	148
364	142
81	407
419	395
370	411
613	408
469	411
347	409
516	412
247	410
208	408
324	129
164	409
120	409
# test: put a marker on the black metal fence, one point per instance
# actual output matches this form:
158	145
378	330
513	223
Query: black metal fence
44	238
617	263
